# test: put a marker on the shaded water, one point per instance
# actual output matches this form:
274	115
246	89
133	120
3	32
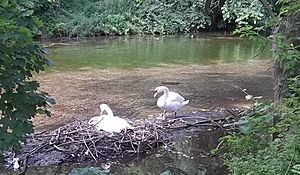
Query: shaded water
189	156
145	52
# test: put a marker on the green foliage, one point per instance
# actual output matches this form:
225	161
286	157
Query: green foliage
269	139
288	6
243	12
46	11
286	53
20	56
248	31
288	56
123	17
96	18
166	17
254	126
257	152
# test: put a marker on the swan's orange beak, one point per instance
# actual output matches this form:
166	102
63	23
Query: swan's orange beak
155	94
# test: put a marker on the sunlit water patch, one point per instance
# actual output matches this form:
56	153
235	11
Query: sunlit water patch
145	52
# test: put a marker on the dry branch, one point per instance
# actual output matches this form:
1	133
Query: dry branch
79	142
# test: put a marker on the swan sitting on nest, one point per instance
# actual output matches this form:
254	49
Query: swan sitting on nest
169	101
108	122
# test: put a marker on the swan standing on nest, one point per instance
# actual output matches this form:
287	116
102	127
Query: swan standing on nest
108	122
169	101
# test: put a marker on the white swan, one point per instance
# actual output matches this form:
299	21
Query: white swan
108	122
169	101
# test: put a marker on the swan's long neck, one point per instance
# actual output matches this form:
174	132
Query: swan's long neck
166	93
106	109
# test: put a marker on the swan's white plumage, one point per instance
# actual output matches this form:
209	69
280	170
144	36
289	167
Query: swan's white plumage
169	101
16	165
108	122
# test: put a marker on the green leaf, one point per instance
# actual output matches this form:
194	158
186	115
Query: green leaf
246	129
26	13
20	56
4	3
20	62
296	169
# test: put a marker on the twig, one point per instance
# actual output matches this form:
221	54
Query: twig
132	144
50	135
78	138
27	156
195	124
59	149
236	116
92	142
89	149
217	124
219	145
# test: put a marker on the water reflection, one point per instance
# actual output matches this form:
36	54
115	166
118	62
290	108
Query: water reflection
188	156
143	52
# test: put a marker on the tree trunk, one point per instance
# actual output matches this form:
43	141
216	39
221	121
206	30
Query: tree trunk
213	8
278	83
277	71
289	32
277	66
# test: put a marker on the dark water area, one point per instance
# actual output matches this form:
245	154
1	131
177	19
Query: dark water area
149	51
189	156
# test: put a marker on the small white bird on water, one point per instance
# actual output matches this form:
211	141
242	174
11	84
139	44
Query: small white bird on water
108	122
169	101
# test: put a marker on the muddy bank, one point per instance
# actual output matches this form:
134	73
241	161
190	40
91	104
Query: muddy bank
130	92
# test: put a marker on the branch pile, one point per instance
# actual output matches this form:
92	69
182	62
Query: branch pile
79	142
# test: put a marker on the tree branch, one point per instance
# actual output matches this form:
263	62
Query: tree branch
267	8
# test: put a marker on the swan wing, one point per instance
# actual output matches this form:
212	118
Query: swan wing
175	97
95	120
172	106
122	123
113	124
108	124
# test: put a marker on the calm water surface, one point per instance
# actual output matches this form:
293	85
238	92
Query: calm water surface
189	156
145	52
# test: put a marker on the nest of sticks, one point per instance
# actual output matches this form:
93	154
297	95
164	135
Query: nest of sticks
80	142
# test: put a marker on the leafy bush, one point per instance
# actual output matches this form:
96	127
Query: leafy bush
96	18
20	56
243	12
123	17
269	137
167	17
258	152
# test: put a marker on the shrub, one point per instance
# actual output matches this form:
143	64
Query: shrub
20	57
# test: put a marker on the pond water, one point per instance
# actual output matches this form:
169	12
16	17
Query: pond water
189	156
145	52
